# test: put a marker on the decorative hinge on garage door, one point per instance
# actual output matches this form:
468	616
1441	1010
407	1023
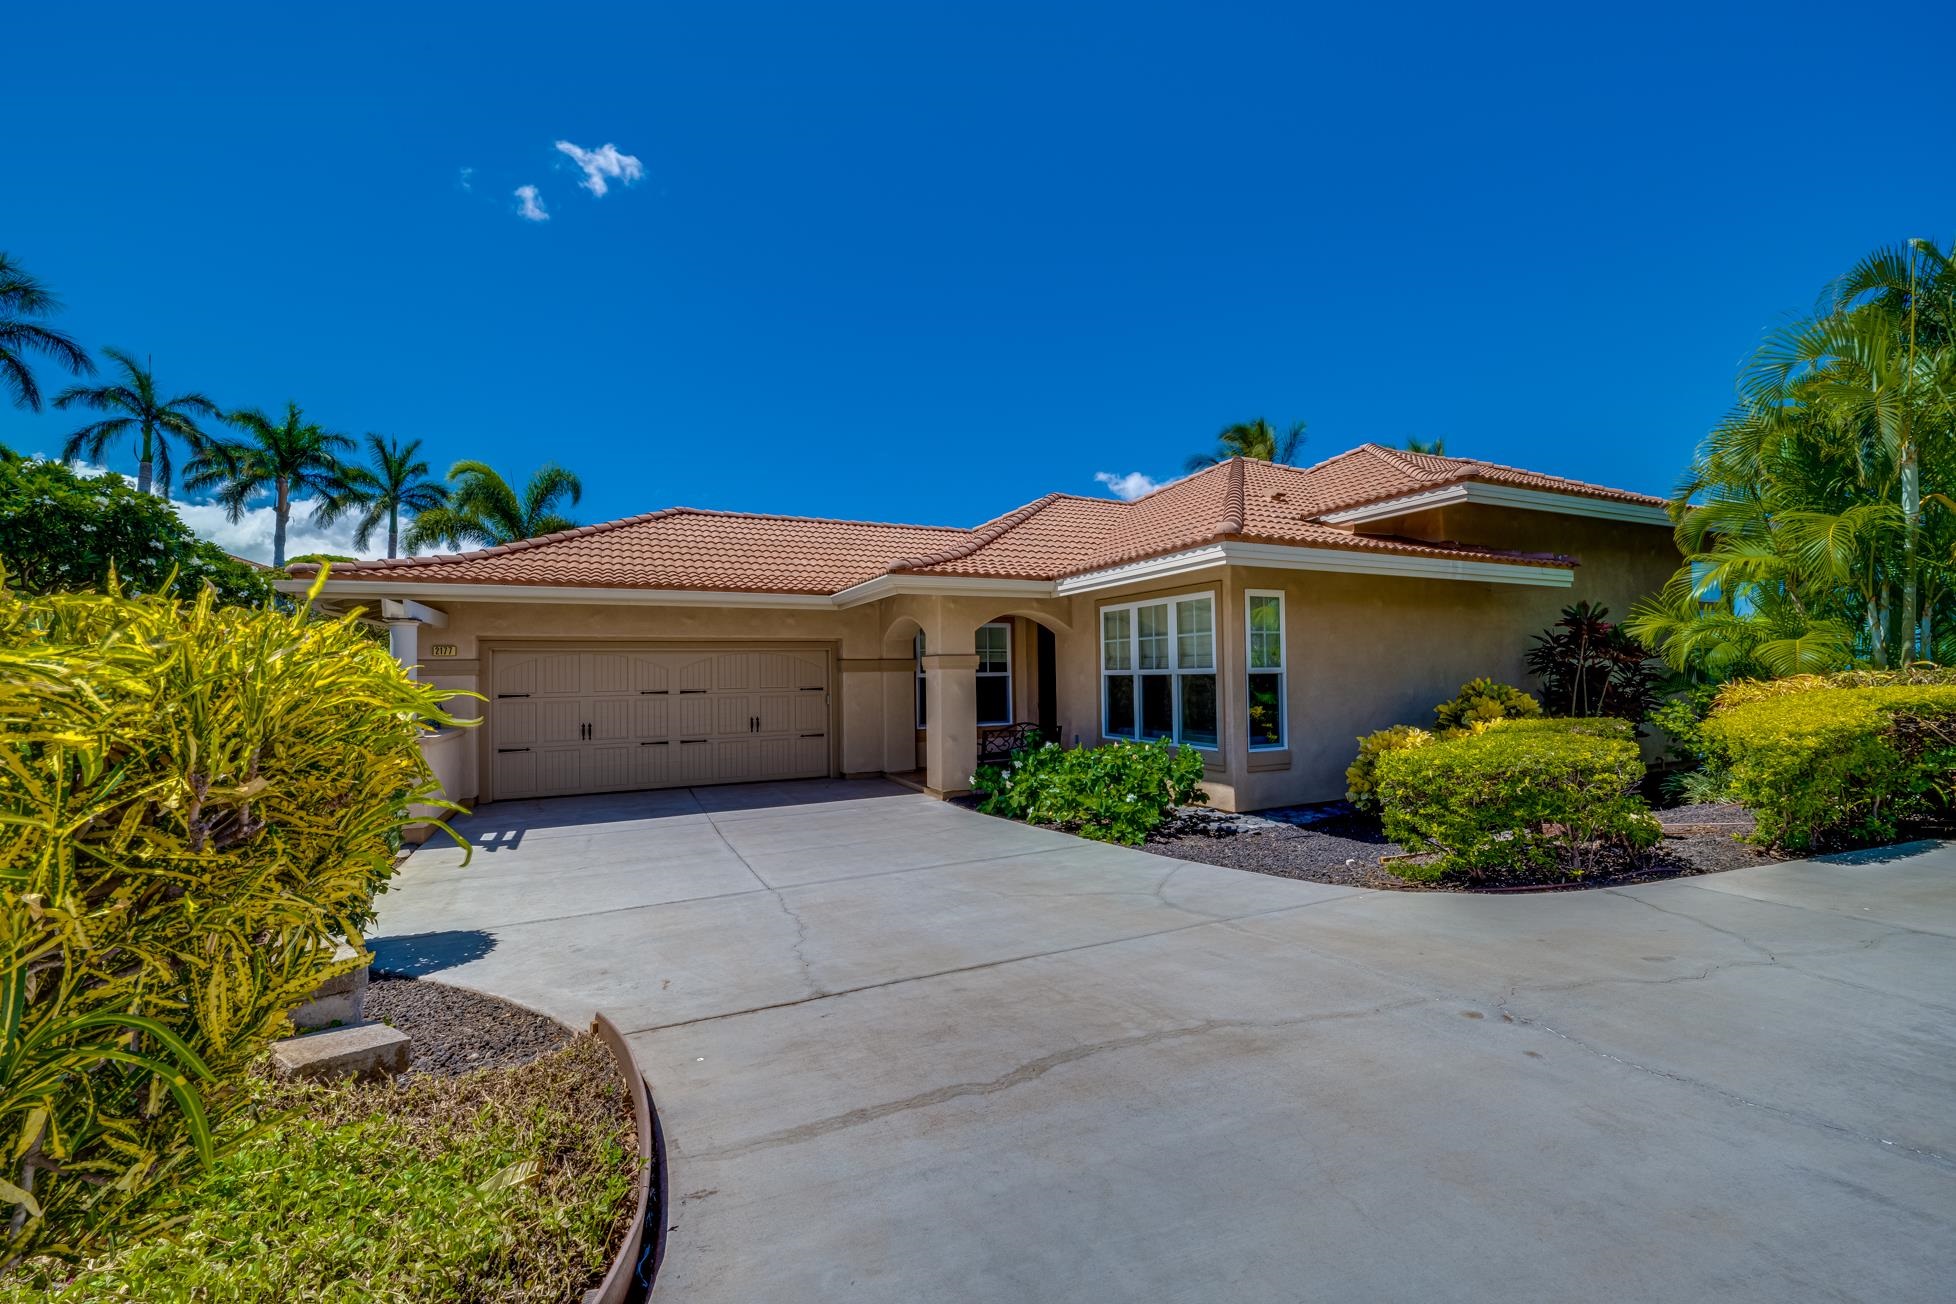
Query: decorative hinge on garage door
512	694
512	749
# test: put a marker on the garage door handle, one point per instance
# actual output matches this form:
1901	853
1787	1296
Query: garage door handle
512	749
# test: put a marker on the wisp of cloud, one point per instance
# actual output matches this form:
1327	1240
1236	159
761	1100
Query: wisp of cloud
602	165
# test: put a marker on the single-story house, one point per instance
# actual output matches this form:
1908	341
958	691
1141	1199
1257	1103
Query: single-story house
1265	615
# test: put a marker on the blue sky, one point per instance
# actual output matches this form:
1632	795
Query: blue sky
926	262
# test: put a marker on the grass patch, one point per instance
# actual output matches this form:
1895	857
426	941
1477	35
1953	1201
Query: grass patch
510	1184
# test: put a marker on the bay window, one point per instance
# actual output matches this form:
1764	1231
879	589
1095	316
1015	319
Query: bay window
1158	670
1265	643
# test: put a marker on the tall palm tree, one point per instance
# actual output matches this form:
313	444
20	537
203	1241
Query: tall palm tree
135	407
1257	439
1432	447
22	300
393	481
287	458
485	510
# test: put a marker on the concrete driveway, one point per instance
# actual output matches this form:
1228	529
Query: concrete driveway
907	1053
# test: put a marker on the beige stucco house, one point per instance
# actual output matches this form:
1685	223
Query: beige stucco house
1266	615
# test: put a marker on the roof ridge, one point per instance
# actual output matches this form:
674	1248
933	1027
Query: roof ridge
975	539
1234	504
1391	457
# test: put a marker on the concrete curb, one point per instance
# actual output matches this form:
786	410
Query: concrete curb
636	1264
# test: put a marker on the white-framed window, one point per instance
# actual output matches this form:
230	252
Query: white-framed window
1158	670
1263	614
995	673
922	695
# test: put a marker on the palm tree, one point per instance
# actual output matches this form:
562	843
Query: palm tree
1257	439
483	509
136	407
22	300
393	481
290	457
1432	447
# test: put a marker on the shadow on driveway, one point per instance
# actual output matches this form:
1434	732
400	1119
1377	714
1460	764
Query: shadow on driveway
417	955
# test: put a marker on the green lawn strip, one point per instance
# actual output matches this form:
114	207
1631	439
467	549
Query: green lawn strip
503	1185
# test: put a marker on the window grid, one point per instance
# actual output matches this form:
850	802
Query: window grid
995	664
1158	671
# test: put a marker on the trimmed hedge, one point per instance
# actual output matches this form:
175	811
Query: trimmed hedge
1530	795
1117	793
1818	760
1362	775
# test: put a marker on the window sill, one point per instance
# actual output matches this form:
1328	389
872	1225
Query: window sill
1269	758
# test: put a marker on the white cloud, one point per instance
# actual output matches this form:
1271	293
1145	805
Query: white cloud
600	163
465	178
529	207
251	535
1134	484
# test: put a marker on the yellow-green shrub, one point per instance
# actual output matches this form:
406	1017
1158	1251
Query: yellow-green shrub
1362	775
1528	795
1483	701
196	804
1820	761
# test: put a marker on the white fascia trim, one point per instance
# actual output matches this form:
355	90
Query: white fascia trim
557	593
1282	557
884	586
1504	495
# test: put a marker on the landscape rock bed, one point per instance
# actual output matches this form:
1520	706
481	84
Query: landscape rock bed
457	1031
1333	843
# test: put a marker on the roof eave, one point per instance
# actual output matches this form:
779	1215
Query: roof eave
1487	493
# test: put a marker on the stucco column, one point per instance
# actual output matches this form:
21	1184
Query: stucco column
951	703
404	642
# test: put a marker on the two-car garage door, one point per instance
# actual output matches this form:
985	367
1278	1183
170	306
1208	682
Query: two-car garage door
614	720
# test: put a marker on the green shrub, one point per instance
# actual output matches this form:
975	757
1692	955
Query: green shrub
1482	701
1117	793
1818	761
197	802
1362	777
503	1185
1528	795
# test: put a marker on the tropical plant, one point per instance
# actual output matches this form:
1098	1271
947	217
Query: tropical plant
483	509
1256	439
1519	796
394	480
1432	447
1816	520
1481	702
62	532
1590	666
197	805
134	407
24	303
286	458
1120	792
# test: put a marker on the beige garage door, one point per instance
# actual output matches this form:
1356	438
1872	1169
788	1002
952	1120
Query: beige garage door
570	721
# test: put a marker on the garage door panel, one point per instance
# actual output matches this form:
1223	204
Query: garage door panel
610	720
807	711
651	717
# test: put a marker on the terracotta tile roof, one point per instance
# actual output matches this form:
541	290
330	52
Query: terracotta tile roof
1052	537
1372	473
680	548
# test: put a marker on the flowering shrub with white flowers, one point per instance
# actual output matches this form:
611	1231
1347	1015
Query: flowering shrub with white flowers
1117	793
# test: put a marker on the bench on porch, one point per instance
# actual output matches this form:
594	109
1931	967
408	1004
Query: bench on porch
997	742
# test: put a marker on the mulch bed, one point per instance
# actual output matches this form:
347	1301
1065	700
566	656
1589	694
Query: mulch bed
1334	844
456	1031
